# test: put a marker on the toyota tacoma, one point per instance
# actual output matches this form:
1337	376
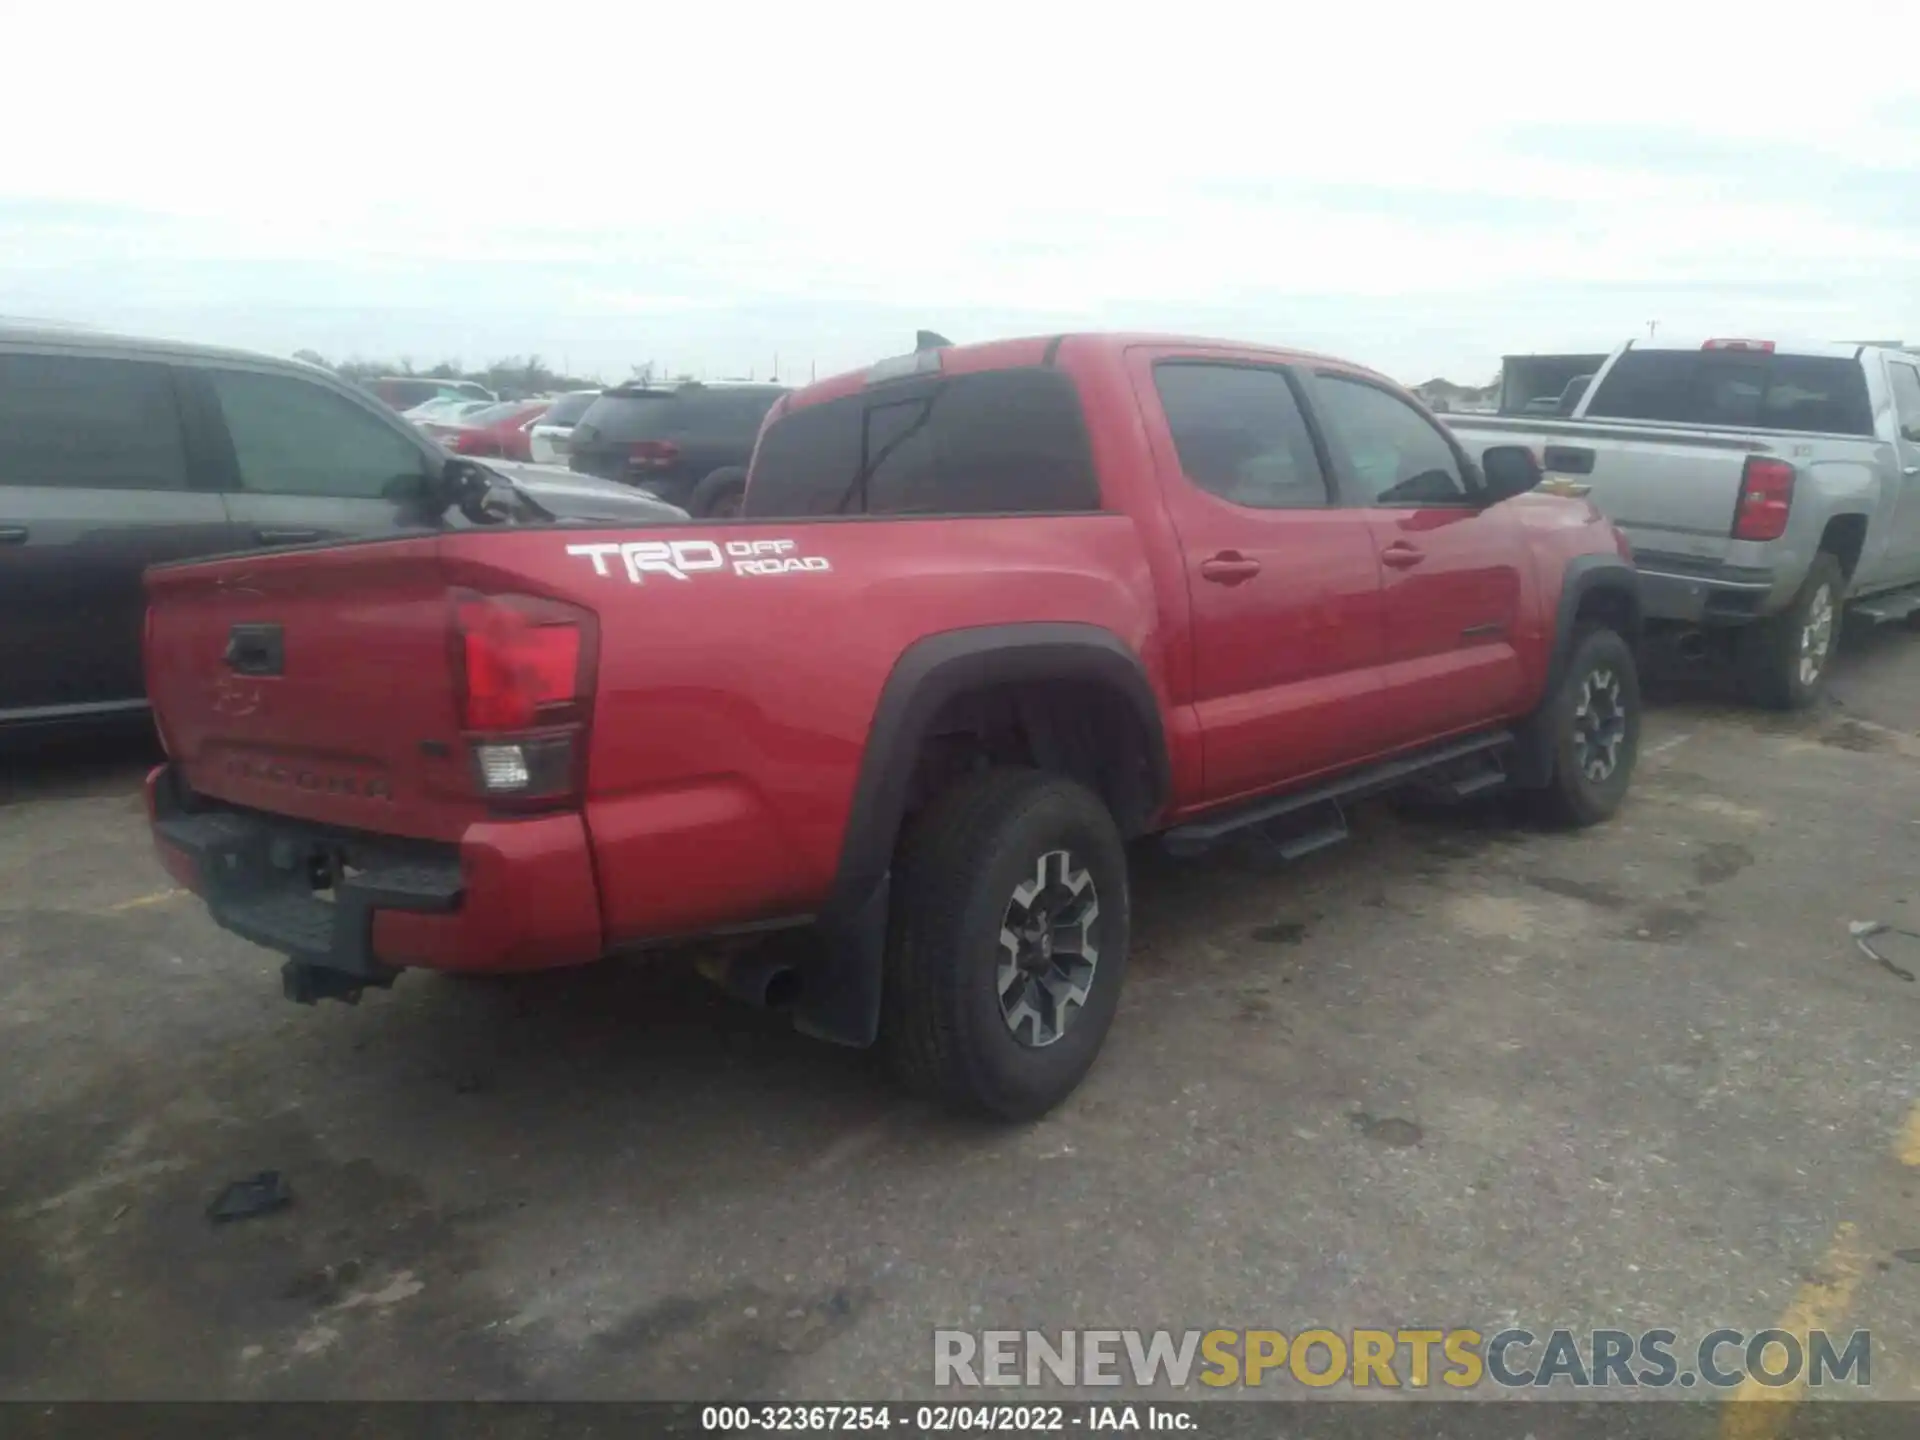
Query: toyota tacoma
988	613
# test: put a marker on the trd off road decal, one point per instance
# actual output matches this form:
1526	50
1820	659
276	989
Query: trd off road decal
683	559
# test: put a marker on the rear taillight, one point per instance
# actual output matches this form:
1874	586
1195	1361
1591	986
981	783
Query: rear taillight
1760	347
1766	498
653	454
525	668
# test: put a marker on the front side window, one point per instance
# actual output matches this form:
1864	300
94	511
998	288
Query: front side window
1240	435
994	443
1906	398
1397	456
292	437
92	424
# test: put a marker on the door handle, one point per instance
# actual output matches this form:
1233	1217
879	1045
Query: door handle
13	534
1402	556
285	537
1229	567
1910	470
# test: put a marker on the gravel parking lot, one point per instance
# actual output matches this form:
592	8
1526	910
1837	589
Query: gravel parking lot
1457	1070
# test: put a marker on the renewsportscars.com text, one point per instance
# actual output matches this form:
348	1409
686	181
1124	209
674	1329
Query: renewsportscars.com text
1412	1359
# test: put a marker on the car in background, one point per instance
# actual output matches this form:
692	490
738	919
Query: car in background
1765	487
499	431
403	392
549	436
447	410
667	439
117	453
1544	384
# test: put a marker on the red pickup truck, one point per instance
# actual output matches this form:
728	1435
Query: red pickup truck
989	612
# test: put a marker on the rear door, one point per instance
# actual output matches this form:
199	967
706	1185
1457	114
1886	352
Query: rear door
1284	585
95	485
302	462
1451	567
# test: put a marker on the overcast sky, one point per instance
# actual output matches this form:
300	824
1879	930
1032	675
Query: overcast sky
1422	188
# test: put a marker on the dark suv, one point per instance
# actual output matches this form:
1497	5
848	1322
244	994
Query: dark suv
118	453
667	439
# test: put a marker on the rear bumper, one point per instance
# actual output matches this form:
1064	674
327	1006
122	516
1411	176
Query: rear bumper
510	895
1676	588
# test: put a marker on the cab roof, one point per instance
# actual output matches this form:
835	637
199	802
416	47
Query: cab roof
1037	350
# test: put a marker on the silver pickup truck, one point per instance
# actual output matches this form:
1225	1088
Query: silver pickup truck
1764	486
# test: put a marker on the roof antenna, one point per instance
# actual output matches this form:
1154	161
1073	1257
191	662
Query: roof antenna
929	340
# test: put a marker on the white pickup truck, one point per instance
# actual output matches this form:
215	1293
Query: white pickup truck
1764	486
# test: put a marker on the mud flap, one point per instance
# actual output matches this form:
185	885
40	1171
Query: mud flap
840	993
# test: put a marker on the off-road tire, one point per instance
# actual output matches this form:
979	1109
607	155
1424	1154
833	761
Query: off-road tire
944	1029
718	496
1770	651
1600	670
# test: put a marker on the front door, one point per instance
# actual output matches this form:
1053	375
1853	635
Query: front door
1284	586
1903	549
95	486
307	462
1451	566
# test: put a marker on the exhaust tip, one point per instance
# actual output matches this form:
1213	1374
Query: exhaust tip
763	975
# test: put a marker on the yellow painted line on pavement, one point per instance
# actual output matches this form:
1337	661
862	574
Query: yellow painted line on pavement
1761	1412
140	902
1908	1145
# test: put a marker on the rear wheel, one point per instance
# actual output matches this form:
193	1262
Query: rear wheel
719	496
1594	723
1007	945
1784	660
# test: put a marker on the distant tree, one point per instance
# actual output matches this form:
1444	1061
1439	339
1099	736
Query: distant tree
512	377
312	357
641	374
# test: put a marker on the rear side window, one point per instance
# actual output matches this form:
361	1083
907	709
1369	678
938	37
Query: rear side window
292	437
1736	389
995	443
89	424
1240	434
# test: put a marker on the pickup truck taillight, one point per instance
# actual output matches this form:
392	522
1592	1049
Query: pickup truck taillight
653	454
525	669
1766	497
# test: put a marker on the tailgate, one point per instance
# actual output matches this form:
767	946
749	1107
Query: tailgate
1672	491
314	683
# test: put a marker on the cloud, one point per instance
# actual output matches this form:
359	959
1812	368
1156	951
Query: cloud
1421	189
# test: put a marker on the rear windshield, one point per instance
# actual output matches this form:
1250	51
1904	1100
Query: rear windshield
568	408
732	411
999	442
1737	389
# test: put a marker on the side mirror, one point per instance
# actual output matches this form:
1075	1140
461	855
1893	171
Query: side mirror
1509	470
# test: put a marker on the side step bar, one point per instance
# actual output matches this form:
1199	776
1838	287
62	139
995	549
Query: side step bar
1456	769
1894	605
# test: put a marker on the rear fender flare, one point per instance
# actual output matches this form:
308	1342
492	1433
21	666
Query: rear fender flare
841	1002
